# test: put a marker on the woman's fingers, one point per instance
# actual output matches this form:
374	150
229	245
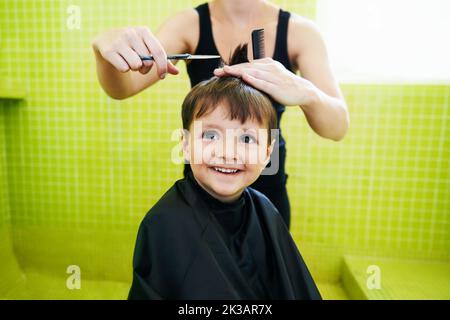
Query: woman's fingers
137	44
253	71
156	49
146	67
269	76
257	78
124	48
171	68
239	69
264	60
219	72
117	61
131	57
259	84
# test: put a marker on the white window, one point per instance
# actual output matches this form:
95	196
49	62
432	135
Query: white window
387	41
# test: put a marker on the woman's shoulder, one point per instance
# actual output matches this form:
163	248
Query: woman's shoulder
302	32
298	21
184	24
183	18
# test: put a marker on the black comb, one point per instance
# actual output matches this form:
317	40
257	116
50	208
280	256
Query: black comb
258	44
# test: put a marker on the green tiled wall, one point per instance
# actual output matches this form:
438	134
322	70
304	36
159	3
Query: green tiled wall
4	201
90	167
385	189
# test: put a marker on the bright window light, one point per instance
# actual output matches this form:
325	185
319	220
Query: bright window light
387	41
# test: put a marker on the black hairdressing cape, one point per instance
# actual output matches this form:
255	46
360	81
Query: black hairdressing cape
180	253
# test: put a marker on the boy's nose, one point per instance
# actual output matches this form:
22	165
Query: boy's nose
227	151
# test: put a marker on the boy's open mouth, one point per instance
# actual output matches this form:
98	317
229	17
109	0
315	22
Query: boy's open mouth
226	171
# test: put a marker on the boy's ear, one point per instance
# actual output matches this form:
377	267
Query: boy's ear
186	146
269	152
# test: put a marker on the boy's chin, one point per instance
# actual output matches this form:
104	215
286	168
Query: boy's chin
227	192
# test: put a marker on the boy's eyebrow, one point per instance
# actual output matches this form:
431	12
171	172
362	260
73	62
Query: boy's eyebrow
216	126
213	126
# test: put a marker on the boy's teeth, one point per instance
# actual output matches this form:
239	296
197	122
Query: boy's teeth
225	170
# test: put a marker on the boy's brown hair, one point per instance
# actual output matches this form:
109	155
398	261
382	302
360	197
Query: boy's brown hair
242	100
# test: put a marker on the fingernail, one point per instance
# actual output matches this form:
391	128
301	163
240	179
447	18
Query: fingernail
163	75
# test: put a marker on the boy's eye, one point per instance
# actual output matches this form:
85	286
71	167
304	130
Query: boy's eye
247	138
210	135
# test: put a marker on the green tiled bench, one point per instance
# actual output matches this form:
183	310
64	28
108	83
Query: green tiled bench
399	279
30	270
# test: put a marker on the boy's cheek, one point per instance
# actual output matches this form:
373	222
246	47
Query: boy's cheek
257	156
207	151
197	151
254	169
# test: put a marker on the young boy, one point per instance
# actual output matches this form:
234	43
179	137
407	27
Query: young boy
210	236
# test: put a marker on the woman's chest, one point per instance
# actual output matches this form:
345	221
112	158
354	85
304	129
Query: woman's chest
276	41
227	37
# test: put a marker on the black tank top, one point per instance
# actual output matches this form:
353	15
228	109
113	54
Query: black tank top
199	70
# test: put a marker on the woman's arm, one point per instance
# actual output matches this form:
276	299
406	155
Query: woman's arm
325	109
121	72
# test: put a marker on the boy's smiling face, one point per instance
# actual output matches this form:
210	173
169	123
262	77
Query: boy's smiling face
226	155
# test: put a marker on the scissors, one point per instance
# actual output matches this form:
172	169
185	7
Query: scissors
184	56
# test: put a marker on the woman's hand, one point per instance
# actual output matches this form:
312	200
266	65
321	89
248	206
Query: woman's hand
122	48
274	79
